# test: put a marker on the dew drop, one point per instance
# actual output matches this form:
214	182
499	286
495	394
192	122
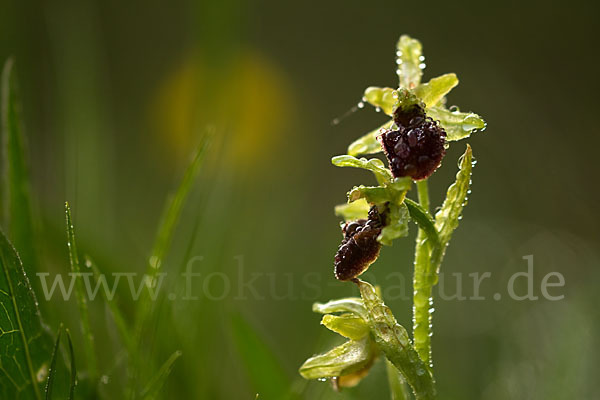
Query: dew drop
399	53
360	104
422	65
421	58
454	108
377	109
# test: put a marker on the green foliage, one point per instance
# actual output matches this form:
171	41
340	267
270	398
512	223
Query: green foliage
26	345
86	328
458	125
447	219
394	342
375	165
155	383
270	380
15	184
52	370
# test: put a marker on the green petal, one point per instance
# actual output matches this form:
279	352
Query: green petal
347	325
368	144
358	209
397	224
383	98
433	91
409	54
375	165
352	305
350	357
458	125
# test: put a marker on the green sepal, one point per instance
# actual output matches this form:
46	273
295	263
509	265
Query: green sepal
348	325
353	305
432	92
409	53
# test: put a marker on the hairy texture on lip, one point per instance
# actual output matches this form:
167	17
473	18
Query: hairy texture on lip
359	248
416	149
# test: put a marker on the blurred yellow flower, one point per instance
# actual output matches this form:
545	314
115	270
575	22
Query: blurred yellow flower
248	100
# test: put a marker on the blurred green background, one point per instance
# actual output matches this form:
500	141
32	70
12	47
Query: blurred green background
117	94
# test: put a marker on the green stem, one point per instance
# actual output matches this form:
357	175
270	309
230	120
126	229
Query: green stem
422	286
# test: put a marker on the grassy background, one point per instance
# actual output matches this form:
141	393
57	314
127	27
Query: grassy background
116	96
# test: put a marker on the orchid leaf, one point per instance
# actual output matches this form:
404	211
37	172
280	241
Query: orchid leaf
393	340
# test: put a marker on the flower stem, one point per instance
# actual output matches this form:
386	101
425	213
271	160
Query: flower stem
423	280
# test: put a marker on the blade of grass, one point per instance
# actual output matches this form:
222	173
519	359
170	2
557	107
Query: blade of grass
118	318
85	326
162	243
26	345
398	389
263	368
73	368
52	371
16	191
155	384
169	220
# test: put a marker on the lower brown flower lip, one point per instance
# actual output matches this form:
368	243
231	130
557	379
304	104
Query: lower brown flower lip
359	248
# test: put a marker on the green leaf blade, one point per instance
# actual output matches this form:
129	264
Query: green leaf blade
86	328
52	370
156	383
393	340
26	344
270	380
447	219
16	186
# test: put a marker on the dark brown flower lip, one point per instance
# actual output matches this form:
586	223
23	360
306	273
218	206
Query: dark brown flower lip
418	145
359	248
